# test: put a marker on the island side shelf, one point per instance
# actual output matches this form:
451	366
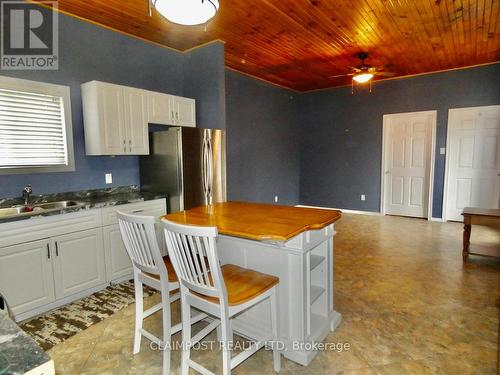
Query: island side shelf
304	265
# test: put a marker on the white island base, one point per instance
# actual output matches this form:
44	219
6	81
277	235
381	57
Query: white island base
304	265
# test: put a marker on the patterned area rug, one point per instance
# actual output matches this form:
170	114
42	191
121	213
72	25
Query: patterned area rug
58	325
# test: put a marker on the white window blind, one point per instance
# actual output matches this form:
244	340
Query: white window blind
32	130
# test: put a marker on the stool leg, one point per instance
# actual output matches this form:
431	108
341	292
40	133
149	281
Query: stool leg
186	334
139	309
226	342
219	334
165	301
274	323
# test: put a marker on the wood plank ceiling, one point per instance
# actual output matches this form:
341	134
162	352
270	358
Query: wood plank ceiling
300	43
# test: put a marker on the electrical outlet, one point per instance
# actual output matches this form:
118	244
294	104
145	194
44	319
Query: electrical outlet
363	197
109	178
276	198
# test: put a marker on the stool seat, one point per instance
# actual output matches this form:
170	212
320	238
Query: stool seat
243	284
172	277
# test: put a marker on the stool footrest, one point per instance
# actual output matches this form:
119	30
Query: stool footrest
195	319
151	337
240	357
151	310
199	368
205	331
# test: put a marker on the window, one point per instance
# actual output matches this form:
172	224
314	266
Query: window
35	127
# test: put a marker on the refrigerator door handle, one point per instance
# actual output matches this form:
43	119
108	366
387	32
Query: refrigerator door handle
204	169
210	168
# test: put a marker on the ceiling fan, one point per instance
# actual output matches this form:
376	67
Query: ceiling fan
364	73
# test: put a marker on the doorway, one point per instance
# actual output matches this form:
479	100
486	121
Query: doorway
473	161
408	164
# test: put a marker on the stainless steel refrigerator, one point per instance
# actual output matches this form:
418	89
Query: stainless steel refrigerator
187	164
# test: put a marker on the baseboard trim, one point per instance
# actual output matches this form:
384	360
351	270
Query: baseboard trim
371	213
438	219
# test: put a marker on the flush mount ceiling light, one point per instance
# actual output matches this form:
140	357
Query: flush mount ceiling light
362	77
187	12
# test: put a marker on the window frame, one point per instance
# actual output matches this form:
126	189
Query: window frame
45	89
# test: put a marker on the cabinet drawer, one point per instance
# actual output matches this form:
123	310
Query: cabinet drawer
154	208
40	227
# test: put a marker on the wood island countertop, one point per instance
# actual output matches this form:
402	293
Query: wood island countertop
255	221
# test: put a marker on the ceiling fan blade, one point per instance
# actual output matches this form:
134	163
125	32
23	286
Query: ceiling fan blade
386	74
341	75
355	68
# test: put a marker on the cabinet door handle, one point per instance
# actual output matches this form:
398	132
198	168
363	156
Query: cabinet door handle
130	145
124	146
137	211
57	249
177	115
173	118
48	251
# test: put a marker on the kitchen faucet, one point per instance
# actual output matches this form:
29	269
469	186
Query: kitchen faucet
26	193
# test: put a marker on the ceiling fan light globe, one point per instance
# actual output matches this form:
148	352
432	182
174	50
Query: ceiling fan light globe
187	12
363	77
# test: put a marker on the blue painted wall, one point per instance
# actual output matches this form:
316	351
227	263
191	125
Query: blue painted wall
342	133
89	52
204	80
262	141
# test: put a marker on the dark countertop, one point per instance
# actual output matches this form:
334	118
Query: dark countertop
88	198
19	353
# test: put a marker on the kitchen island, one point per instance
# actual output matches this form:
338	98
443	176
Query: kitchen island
293	243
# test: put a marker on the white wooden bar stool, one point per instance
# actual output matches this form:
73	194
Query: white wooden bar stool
222	292
155	271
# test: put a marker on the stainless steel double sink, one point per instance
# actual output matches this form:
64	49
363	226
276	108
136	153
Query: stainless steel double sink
38	209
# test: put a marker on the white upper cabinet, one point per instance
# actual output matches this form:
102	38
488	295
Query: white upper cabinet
160	110
173	110
136	121
185	111
110	116
115	119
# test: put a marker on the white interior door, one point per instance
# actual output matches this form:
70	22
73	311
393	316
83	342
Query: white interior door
407	161
473	163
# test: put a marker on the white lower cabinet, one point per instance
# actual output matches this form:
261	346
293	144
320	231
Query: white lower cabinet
65	257
118	264
78	262
26	275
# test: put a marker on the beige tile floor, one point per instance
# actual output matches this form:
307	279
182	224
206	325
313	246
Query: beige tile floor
409	306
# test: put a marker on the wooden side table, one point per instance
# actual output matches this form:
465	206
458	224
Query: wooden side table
480	216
